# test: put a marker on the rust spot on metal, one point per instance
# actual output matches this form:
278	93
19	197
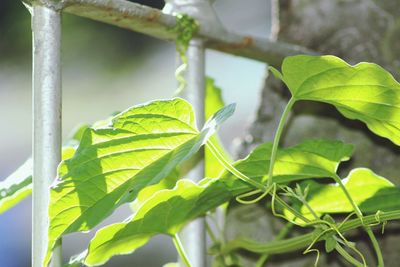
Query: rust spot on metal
247	41
153	16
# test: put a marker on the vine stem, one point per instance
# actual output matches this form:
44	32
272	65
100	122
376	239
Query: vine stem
347	256
210	232
221	158
338	248
282	234
179	75
224	162
277	138
299	242
181	250
359	214
270	183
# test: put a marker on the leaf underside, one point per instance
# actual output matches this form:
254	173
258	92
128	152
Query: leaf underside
114	162
167	211
365	91
369	191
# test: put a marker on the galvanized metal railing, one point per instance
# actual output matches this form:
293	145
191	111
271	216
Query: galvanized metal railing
46	26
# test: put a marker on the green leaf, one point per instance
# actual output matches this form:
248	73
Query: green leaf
167	211
370	192
113	163
16	187
310	159
213	103
147	192
365	92
330	243
276	73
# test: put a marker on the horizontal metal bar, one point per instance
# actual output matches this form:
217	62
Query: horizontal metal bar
153	22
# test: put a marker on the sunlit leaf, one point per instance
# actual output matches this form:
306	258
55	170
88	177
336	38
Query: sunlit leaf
365	92
213	103
16	187
310	159
167	211
113	163
147	192
369	191
330	243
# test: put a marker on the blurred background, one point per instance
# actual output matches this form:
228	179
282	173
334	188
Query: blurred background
108	69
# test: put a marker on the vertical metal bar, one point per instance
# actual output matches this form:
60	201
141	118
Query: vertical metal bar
46	27
195	76
193	235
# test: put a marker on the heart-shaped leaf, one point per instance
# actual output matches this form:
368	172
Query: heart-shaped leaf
167	211
113	163
365	92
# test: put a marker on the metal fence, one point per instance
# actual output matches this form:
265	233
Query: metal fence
46	26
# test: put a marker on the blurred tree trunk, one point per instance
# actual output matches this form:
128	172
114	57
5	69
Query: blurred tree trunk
355	30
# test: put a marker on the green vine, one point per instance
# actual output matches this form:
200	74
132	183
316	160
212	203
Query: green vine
300	242
185	28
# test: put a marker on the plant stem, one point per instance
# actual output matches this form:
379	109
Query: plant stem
261	187
277	138
282	234
224	162
210	232
347	256
290	209
300	242
357	210
181	250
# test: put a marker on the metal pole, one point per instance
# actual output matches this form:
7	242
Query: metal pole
46	27
193	235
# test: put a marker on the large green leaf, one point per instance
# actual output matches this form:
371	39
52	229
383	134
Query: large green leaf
365	92
369	191
167	211
213	103
113	163
310	159
167	183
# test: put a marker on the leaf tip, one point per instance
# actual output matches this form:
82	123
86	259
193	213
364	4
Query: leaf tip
276	73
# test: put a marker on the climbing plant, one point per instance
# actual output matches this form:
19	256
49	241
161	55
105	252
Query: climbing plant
141	156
